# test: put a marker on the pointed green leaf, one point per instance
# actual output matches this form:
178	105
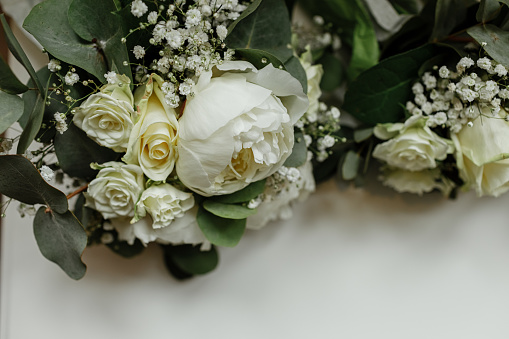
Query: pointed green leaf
228	211
33	125
220	231
497	41
378	94
362	134
299	152
294	67
20	180
487	10
448	14
350	165
18	52
9	83
11	109
49	24
61	239
244	195
333	73
105	29
191	259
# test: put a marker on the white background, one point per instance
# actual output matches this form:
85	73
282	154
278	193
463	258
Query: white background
350	264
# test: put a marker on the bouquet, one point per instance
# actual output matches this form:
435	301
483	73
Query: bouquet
180	123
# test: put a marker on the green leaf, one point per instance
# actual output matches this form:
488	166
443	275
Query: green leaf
126	250
350	165
11	109
333	72
362	134
497	41
244	195
18	52
228	211
33	125
61	239
220	231
407	6
105	29
487	10
448	14
250	9
299	152
258	57
294	67
49	25
378	94
20	180
266	28
9	83
191	259
76	151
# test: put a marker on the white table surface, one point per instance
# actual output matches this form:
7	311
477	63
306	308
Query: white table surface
350	264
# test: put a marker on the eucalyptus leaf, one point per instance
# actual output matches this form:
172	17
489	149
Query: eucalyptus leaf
244	195
250	9
76	151
378	94
105	30
448	14
191	259
407	6
333	72
350	166
497	41
18	52
125	249
20	180
299	152
220	231
227	211
49	25
294	67
487	10
11	109
33	125
9	83
360	135
266	28
61	239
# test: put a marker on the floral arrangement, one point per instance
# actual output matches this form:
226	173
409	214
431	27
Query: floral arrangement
183	123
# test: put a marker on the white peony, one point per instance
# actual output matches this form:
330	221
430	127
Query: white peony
410	146
115	190
417	182
107	116
238	127
482	153
152	143
277	199
164	203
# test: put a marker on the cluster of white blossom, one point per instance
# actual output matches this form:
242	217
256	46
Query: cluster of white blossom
452	98
319	127
188	37
316	36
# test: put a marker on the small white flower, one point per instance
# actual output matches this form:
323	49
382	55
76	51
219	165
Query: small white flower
61	125
138	8
152	18
328	141
429	81
335	113
138	51
500	70
174	39
443	72
254	203
417	88
293	174
193	17
71	78
484	63
186	87
318	20
464	63
221	31
54	65
111	77
47	173
308	140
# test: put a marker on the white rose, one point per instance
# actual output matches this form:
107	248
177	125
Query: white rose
153	140
107	116
238	127
184	230
417	182
115	190
482	153
411	146
314	75
279	196
164	203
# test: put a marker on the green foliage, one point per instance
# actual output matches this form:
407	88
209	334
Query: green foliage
362	134
186	260
406	6
20	180
34	123
350	165
11	109
378	93
299	152
487	10
220	231
294	67
244	195
497	41
333	72
105	30
61	239
9	83
448	14
18	52
76	151
49	24
227	211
